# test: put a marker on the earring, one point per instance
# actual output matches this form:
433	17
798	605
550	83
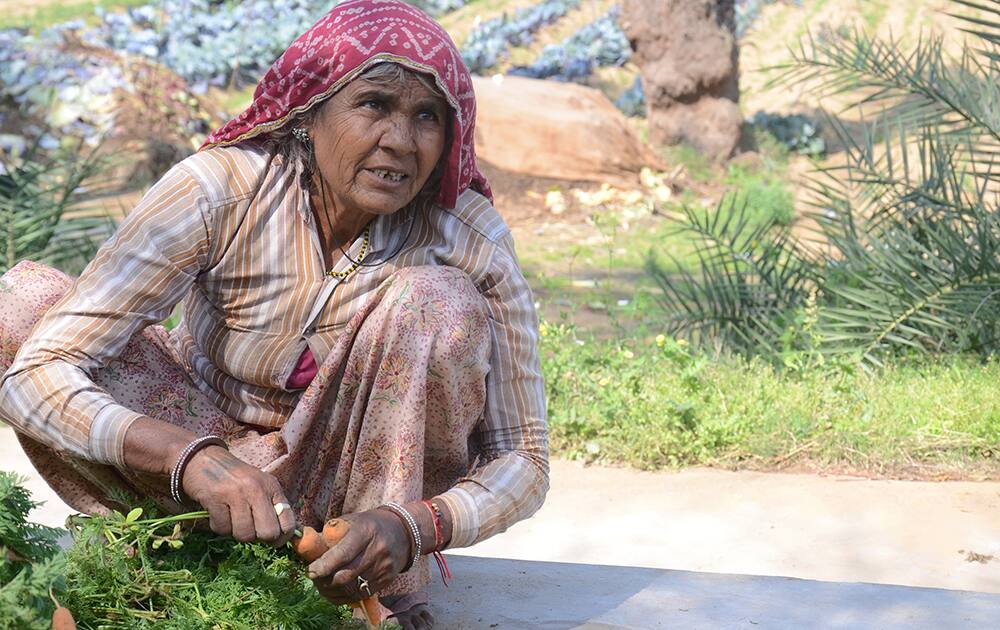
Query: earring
301	135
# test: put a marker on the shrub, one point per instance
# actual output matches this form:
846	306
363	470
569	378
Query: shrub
909	244
37	194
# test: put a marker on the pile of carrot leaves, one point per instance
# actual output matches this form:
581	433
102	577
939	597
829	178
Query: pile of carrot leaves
145	570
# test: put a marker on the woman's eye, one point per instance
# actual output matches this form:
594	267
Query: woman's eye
373	104
429	115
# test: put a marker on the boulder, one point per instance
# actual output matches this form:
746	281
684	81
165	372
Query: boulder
689	61
556	130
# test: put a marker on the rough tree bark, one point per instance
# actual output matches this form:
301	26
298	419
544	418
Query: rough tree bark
689	61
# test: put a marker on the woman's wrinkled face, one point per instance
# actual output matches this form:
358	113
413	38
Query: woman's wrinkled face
377	144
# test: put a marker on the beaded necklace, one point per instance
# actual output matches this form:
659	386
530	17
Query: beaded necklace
354	263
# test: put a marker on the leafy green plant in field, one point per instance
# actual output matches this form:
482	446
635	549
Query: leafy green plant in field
752	279
906	257
766	197
38	195
29	564
658	402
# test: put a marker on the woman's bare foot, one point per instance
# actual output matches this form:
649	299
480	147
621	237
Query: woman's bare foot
417	618
410	610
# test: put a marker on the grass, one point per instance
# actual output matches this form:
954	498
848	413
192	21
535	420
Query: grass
652	403
42	14
872	12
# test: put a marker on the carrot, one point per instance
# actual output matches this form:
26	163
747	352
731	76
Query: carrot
62	619
335	530
310	546
373	611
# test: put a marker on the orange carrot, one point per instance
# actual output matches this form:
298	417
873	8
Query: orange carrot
335	530
373	610
310	546
62	619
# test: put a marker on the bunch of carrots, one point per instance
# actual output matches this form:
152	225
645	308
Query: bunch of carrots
312	544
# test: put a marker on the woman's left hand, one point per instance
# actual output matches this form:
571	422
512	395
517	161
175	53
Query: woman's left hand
376	547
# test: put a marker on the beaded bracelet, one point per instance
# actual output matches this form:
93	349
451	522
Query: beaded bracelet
177	473
411	523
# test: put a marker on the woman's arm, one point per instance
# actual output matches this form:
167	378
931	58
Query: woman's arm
512	478
135	279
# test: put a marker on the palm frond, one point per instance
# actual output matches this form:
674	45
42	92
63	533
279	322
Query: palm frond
37	199
750	277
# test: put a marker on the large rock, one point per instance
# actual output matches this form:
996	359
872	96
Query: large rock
556	130
687	54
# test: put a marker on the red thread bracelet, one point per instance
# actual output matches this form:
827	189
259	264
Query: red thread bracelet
438	540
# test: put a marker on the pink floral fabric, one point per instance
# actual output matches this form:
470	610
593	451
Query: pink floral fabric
388	416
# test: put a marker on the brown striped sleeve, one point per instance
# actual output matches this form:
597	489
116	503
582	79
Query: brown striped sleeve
136	279
513	476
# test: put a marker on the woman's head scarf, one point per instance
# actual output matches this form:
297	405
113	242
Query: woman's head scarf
343	44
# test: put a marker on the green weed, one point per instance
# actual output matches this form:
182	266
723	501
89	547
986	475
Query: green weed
653	402
39	15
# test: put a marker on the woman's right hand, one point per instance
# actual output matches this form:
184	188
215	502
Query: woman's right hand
239	498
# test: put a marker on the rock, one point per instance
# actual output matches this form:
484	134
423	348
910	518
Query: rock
689	61
556	130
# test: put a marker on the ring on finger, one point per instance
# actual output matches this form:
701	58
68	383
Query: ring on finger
281	507
364	587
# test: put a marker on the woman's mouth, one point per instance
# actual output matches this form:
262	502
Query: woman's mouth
388	176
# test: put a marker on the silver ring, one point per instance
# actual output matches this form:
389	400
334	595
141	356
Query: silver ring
363	587
281	507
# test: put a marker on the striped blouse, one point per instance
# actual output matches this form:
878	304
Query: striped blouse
230	232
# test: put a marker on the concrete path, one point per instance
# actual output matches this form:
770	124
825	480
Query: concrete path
832	528
516	594
616	548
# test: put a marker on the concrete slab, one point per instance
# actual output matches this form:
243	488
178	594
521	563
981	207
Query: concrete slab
522	595
831	528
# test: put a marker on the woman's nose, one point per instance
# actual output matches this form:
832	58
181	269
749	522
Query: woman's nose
398	136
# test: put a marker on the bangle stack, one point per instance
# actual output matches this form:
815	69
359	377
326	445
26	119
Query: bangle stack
411	524
177	472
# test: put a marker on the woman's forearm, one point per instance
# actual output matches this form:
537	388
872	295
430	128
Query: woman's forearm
153	445
425	523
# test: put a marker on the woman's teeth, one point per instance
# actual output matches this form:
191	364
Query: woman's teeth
389	175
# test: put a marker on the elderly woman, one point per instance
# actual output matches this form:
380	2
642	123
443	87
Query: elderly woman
357	337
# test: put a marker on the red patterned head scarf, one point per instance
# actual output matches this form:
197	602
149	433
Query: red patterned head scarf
343	44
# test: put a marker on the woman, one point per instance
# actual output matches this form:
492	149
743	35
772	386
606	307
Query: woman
355	328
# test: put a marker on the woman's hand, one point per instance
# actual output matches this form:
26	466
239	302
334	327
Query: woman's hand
239	498
376	547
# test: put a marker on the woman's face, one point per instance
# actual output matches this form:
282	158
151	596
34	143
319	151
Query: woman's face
377	144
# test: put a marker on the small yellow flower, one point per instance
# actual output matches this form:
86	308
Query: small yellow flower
628	354
682	342
661	340
604	381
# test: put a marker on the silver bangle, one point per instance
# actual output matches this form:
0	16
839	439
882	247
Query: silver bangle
177	472
411	522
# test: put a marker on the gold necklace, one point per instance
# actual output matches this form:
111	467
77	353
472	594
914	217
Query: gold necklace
354	263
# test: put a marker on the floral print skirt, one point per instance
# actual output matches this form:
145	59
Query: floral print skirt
390	415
